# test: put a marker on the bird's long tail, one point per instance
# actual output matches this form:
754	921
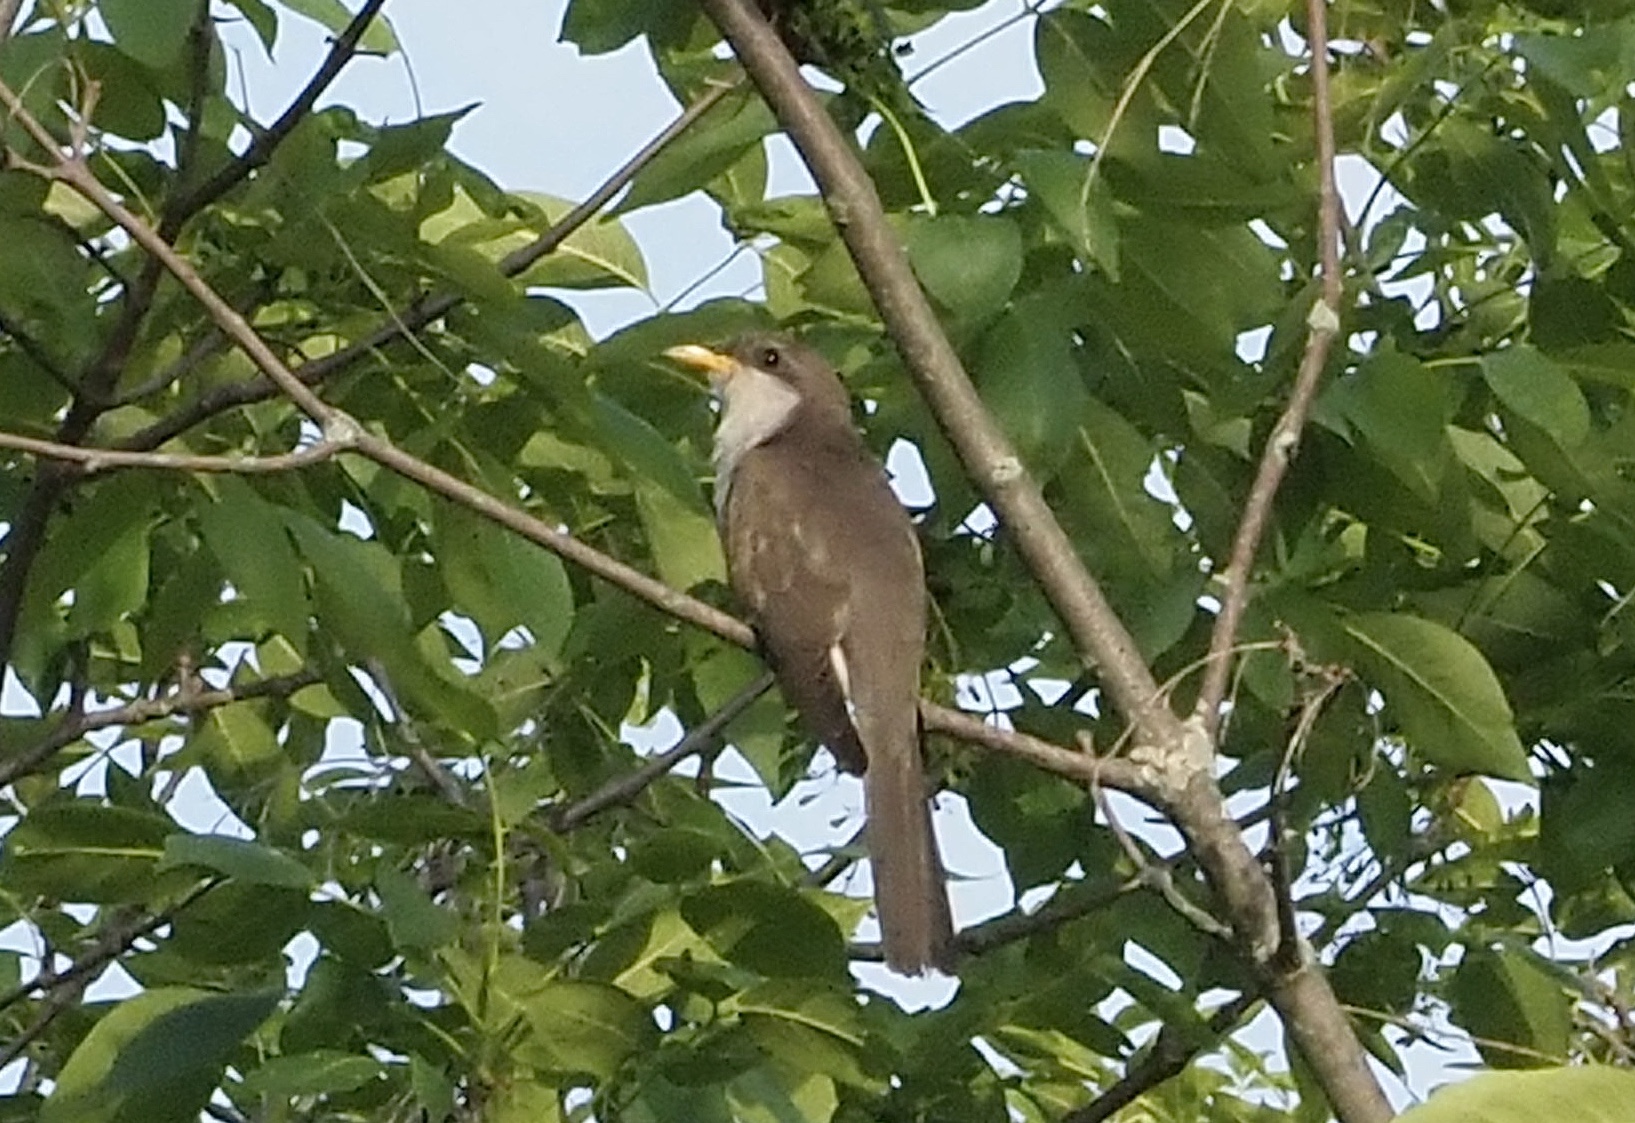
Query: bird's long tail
910	887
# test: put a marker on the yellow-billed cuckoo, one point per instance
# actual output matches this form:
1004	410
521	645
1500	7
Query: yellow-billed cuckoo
825	560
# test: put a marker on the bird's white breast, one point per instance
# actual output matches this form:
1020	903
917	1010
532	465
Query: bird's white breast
755	406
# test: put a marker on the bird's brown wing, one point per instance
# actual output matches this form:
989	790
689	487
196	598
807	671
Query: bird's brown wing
825	559
784	572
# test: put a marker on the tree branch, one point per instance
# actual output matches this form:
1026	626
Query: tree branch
339	428
432	307
181	701
988	456
1168	1056
107	947
186	204
1284	440
627	787
93	461
93	396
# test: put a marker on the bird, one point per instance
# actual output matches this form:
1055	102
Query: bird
825	561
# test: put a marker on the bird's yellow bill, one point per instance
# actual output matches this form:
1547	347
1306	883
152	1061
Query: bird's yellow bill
718	366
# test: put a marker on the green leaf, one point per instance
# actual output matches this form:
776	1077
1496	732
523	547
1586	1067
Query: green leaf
155	1057
397	149
1078	203
77	850
970	263
249	539
1402	409
503	580
1108	502
115	587
767	928
599	26
587	1027
1539	391
599	254
778	1094
1075	52
686	547
415	922
323	1072
236	739
129	105
360	591
1026	373
1507	995
151	31
239	858
43	286
1442	693
262	18
1583	1093
378	37
730	130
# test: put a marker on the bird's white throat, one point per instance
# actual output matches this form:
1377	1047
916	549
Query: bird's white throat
755	406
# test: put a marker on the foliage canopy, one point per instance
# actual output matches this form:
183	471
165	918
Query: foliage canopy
1126	264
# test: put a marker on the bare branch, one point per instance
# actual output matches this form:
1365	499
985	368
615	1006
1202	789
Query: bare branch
627	787
93	461
262	148
1157	876
1167	1057
1012	927
428	309
62	987
1083	767
1284	439
988	456
181	701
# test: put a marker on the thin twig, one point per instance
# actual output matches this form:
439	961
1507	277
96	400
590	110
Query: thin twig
182	701
1012	927
265	144
432	307
701	738
1168	1056
36	351
1157	876
108	947
423	758
92	461
1311	708
1284	440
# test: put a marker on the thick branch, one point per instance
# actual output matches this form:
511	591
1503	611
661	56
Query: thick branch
986	453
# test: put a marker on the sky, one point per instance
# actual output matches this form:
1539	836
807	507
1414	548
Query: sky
546	119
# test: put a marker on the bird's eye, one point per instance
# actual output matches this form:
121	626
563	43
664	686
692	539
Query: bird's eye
770	358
